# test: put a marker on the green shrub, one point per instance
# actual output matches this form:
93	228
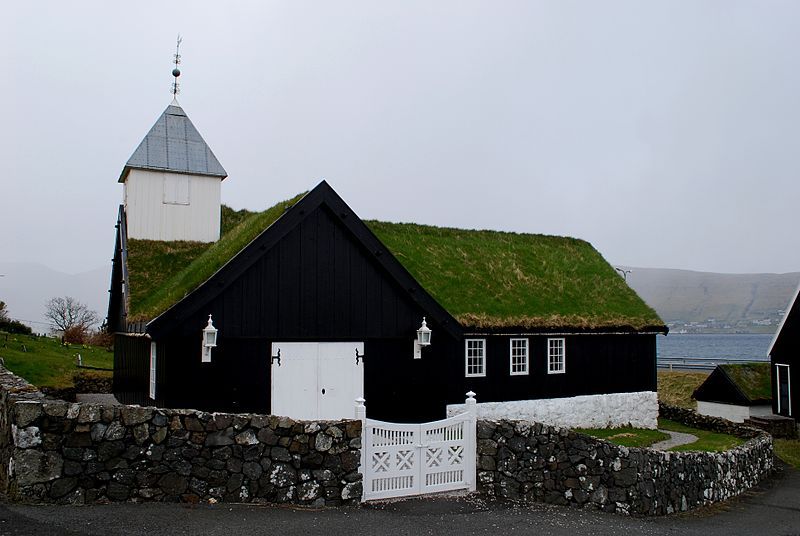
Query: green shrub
15	326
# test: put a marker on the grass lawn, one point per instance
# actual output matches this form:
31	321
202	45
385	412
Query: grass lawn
626	436
45	362
788	450
641	437
706	441
676	388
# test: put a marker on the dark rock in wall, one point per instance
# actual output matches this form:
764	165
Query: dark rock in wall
521	462
74	453
32	467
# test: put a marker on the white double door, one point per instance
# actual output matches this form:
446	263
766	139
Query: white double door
316	380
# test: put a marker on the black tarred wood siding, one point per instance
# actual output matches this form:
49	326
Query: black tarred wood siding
594	364
131	382
115	318
718	387
318	284
786	351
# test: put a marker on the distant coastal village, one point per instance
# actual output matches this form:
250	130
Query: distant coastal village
706	302
713	325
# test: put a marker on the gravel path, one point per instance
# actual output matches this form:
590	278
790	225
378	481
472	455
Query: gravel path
676	439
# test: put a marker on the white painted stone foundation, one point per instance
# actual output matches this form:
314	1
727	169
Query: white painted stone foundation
639	410
732	412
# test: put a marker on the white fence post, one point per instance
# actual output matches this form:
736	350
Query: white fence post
471	459
361	414
361	409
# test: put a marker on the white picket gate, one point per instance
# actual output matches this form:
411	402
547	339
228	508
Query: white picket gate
398	460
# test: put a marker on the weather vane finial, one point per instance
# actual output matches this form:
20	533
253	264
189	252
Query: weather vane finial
176	72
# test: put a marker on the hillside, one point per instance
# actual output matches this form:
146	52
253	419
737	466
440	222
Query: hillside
714	302
46	362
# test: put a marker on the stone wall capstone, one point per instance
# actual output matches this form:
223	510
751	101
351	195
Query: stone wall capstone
531	462
57	451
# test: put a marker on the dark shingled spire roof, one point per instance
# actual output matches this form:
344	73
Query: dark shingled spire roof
173	144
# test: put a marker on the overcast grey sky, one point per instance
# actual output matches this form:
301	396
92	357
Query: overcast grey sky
665	133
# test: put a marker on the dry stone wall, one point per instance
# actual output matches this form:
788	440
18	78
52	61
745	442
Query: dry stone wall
532	462
56	451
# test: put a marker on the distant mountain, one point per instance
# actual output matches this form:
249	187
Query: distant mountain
713	302
25	287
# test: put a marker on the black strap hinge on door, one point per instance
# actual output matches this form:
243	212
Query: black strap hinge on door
274	357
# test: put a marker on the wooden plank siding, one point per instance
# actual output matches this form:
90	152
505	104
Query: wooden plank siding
594	364
116	315
786	351
335	292
279	297
152	217
718	387
132	369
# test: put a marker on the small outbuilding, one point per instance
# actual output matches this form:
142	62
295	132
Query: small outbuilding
784	356
736	392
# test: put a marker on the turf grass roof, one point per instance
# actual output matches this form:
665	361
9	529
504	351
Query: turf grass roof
753	379
486	279
500	280
162	273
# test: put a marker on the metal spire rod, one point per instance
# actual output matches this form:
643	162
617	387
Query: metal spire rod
176	72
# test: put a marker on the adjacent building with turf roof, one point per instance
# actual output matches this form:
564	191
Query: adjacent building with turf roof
302	308
736	392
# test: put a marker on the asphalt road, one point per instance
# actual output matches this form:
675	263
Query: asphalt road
771	509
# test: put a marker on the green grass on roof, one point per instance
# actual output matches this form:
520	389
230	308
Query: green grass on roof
162	273
490	279
486	279
752	378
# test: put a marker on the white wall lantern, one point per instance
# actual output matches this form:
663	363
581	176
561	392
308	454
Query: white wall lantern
423	339
209	340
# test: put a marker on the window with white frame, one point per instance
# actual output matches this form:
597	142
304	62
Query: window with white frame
475	357
153	370
519	357
555	356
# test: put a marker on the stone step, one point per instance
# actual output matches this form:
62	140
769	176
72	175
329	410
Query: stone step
776	425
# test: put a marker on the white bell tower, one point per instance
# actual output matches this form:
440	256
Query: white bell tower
172	181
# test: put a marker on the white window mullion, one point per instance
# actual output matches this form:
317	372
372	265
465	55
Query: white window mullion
475	357
518	357
556	356
787	377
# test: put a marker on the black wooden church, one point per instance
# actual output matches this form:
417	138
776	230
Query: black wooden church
302	308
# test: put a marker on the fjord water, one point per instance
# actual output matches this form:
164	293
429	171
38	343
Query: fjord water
709	347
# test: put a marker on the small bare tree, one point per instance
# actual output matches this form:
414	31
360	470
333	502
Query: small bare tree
3	312
68	315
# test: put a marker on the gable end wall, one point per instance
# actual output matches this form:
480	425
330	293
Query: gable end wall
150	218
